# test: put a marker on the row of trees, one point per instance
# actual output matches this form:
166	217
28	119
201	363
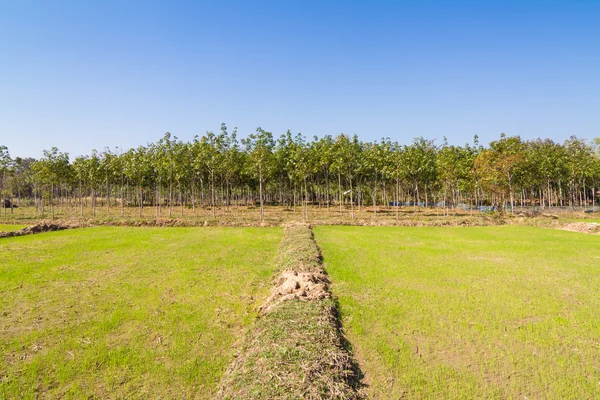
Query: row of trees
218	171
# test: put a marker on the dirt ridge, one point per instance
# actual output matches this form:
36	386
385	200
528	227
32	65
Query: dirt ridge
583	227
40	227
303	286
296	348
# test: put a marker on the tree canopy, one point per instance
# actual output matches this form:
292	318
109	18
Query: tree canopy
217	170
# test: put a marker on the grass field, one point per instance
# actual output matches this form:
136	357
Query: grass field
122	312
492	312
11	227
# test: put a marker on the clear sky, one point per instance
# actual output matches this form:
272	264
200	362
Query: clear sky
87	74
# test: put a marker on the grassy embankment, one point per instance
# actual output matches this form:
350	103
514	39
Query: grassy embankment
494	312
295	350
116	312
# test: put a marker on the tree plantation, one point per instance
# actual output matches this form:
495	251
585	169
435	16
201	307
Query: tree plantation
342	173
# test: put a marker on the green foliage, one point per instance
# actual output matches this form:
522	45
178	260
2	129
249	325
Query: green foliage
215	169
53	167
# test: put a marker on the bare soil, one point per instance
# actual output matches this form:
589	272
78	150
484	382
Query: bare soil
303	286
583	227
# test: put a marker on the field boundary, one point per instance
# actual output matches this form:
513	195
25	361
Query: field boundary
407	221
40	227
296	347
587	227
591	228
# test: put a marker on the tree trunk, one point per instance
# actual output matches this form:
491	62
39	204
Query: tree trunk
107	196
397	199
212	193
305	198
261	193
170	197
374	196
157	200
327	193
80	198
180	197
340	191
141	201
351	201
93	202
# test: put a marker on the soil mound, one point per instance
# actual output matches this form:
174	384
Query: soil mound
552	216
584	227
298	285
40	227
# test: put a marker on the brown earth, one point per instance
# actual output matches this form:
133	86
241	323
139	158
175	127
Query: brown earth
583	227
298	285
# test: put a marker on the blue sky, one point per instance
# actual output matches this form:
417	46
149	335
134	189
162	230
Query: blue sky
86	74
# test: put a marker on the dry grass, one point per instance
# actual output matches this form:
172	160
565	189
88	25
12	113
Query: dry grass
583	227
295	352
249	216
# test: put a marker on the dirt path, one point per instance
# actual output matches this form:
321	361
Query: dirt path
296	348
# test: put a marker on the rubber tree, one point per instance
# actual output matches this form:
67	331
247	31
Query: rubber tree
323	158
209	157
346	153
420	166
454	165
578	162
5	168
259	147
299	166
94	176
50	170
283	168
298	170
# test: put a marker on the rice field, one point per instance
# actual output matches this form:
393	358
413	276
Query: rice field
128	312
428	312
487	312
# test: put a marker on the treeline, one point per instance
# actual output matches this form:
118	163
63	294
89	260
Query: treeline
218	171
